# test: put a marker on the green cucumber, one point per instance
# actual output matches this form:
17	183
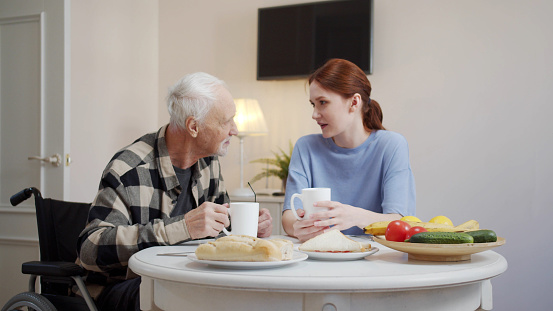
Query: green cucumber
483	236
441	238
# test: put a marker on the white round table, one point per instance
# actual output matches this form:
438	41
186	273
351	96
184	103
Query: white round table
386	280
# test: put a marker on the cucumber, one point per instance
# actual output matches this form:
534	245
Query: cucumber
441	238
483	236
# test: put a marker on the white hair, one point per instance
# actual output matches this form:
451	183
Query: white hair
192	96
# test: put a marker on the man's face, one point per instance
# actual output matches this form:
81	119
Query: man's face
218	127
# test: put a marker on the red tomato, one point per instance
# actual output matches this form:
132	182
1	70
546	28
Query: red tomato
397	230
413	231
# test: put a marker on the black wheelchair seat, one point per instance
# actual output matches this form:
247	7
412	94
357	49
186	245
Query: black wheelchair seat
59	225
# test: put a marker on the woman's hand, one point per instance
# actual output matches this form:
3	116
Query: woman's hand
341	216
304	229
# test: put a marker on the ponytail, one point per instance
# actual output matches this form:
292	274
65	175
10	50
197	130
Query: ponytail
372	115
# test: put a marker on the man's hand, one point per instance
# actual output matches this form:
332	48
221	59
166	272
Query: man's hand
208	219
264	223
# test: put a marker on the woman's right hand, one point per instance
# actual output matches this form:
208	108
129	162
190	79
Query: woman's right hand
304	229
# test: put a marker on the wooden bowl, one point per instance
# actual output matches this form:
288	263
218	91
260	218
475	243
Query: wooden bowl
439	252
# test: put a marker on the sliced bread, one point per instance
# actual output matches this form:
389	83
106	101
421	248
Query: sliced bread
333	241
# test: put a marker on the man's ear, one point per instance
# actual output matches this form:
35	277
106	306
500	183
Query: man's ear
192	126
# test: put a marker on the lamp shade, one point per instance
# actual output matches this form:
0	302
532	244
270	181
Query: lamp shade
249	117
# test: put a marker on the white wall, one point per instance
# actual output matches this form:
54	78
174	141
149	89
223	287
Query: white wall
469	83
114	84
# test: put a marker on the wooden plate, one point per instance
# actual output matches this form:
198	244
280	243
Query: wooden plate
439	252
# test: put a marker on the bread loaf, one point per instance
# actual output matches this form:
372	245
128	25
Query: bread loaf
333	241
245	248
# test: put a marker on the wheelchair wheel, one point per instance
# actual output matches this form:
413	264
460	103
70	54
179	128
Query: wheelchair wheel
29	301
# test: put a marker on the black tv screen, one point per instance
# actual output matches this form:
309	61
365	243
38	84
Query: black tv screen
295	40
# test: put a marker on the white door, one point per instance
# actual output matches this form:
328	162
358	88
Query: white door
34	96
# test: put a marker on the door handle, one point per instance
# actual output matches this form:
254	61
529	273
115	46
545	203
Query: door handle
54	159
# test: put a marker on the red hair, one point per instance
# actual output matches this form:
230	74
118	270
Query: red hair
347	79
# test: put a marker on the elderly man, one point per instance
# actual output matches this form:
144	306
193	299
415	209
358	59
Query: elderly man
163	189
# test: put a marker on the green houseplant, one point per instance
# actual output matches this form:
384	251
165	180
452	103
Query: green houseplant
280	164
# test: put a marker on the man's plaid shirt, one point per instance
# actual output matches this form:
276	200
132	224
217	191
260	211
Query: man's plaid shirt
131	212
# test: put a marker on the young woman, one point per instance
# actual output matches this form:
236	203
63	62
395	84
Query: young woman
366	166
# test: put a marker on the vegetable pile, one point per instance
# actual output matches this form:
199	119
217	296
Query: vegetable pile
439	230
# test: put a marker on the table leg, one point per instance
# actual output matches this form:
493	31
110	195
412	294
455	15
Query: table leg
487	298
147	294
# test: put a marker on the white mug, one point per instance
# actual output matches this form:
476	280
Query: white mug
309	196
243	218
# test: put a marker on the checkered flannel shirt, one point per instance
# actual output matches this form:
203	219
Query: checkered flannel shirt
131	212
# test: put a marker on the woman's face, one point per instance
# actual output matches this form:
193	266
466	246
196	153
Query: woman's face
331	111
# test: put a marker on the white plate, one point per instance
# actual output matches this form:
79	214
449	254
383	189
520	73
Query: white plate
340	256
296	257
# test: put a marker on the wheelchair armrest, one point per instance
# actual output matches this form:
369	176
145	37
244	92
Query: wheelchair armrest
52	268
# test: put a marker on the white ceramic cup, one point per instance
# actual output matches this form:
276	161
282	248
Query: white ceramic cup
243	218
309	196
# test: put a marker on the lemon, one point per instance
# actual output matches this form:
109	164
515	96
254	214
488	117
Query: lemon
410	218
441	220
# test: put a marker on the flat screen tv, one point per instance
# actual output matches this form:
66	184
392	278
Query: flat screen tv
294	40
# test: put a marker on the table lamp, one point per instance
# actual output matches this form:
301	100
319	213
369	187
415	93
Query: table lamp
250	122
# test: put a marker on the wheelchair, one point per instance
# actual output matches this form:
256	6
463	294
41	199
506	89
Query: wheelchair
59	225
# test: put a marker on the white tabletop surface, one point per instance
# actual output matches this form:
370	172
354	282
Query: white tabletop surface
386	270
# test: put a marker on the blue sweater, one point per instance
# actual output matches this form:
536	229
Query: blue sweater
375	176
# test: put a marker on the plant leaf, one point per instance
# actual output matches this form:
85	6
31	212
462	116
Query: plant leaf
281	161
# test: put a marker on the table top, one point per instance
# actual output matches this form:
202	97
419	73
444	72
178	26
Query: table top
384	270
